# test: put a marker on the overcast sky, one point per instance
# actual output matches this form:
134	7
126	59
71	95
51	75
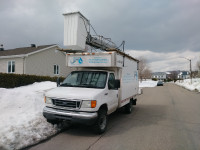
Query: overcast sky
167	29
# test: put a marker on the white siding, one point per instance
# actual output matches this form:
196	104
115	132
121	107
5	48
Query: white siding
18	65
42	63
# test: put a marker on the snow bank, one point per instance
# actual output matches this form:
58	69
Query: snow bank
187	84
21	120
146	83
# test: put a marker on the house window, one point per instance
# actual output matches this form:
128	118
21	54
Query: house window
11	66
56	69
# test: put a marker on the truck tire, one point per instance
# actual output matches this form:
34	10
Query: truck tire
101	123
134	101
64	125
128	107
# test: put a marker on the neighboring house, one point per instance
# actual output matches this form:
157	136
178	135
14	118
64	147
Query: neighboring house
43	60
168	75
184	75
159	75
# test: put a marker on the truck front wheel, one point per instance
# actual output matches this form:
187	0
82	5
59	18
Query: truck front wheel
101	123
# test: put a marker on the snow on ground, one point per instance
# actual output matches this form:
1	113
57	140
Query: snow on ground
187	84
21	119
146	83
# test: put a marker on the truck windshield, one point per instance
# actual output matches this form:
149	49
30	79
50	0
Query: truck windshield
86	79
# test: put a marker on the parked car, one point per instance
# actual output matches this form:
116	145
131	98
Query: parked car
160	83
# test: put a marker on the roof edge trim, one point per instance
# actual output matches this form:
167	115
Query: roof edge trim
25	55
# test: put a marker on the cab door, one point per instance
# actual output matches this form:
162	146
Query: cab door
112	93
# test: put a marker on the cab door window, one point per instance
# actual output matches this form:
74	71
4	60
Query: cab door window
111	81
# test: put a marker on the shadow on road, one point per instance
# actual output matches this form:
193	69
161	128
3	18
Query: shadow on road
142	115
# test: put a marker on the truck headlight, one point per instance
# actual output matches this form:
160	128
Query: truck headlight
89	104
47	100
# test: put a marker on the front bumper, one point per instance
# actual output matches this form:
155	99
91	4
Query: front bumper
71	116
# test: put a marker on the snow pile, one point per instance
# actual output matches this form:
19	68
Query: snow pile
146	83
21	119
187	84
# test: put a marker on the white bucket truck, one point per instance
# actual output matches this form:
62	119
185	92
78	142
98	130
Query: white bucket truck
101	83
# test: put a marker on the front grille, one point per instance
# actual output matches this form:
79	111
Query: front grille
66	103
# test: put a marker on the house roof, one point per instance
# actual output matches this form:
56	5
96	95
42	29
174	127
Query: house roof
23	50
159	73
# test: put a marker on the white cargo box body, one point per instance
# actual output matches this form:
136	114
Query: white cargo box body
129	81
126	71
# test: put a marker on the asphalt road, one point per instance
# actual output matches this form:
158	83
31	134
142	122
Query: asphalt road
166	118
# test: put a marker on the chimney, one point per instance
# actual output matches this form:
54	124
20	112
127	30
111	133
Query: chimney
1	48
33	45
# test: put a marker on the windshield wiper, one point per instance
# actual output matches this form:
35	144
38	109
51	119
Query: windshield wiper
66	85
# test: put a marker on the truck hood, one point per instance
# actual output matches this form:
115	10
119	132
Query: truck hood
74	93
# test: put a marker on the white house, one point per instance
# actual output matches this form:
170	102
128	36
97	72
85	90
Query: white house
43	60
159	75
184	75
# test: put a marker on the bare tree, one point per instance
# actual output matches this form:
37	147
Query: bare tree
174	75
144	71
198	67
142	65
147	74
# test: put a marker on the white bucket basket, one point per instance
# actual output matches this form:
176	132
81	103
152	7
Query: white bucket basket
75	31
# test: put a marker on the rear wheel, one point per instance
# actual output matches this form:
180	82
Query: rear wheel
101	123
128	107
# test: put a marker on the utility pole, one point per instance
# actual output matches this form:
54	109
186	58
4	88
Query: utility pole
190	68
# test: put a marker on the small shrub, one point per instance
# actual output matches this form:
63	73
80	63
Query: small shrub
169	80
16	80
154	79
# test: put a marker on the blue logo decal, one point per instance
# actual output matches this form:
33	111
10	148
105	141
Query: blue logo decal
80	60
76	59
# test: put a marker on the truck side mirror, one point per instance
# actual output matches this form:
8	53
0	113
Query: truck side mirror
113	84
58	81
117	83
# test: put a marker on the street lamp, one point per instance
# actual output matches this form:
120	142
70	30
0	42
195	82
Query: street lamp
190	68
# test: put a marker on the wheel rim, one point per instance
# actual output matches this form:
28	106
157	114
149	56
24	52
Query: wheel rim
102	122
